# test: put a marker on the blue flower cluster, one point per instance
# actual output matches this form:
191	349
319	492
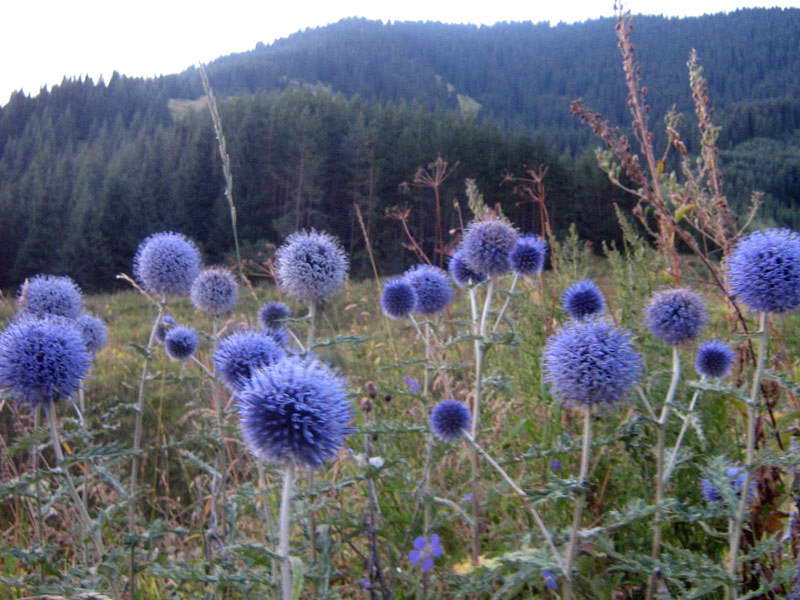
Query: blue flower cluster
676	316
431	286
527	257
166	323
461	273
425	552
181	342
583	299
735	477
449	419
294	410
51	295
714	359
487	246
166	263
215	292
42	359
764	270
272	315
93	332
399	299
311	266
591	363
238	355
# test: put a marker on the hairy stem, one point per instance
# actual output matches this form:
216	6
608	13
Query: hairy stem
661	432
507	301
673	458
283	536
580	502
762	341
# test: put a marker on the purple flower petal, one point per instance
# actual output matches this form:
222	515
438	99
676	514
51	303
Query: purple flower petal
419	543
427	563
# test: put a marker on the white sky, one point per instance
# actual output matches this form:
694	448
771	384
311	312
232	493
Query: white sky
43	40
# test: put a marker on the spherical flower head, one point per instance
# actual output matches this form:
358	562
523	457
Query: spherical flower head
591	363
736	477
432	287
449	419
583	299
527	257
461	273
714	359
238	355
425	552
93	332
399	299
676	316
181	342
164	325
51	295
764	270
42	359
167	263
215	292
487	246
272	315
311	266
295	410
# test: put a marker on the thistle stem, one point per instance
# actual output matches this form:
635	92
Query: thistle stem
661	432
507	301
673	458
514	486
283	539
38	522
580	502
762	340
86	521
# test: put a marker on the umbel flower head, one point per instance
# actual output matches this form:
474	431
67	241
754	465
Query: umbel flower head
311	266
425	552
487	246
583	299
93	332
272	315
432	287
461	273
676	316
166	263
398	299
449	419
591	363
295	410
42	359
181	342
764	270
527	257
215	292
164	325
50	295
714	359
238	355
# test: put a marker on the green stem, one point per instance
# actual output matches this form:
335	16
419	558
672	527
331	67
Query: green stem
38	522
673	458
86	521
312	326
762	340
661	432
283	536
507	301
580	502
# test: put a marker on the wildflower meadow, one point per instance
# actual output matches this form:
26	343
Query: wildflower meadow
531	419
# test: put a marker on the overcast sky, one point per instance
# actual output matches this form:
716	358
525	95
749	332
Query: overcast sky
41	41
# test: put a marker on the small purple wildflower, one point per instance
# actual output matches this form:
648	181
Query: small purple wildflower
550	580
736	477
411	383
469	496
425	552
555	465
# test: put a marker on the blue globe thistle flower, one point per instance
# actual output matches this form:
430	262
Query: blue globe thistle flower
425	552
238	355
583	299
166	263
181	342
676	316
591	363
272	315
461	273
432	287
215	292
527	257
764	270
164	325
295	410
51	295
42	359
487	246
449	419
399	299
736	477
714	359
93	332
311	266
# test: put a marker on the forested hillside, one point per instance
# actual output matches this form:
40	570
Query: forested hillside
344	115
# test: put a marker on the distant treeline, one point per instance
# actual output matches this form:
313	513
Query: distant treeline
343	115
